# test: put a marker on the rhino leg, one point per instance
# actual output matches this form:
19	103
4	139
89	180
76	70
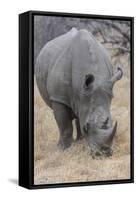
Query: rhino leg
79	134
64	121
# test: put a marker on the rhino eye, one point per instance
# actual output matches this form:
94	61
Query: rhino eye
89	79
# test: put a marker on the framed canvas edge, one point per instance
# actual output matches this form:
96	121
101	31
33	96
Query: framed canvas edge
31	184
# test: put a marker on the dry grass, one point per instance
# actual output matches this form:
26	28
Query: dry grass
52	165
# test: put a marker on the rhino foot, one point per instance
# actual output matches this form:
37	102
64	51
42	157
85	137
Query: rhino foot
64	144
79	137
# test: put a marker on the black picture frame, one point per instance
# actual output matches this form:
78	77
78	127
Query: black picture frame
26	100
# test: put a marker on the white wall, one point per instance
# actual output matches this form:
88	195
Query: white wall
9	11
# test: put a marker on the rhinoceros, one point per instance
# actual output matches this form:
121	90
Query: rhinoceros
75	78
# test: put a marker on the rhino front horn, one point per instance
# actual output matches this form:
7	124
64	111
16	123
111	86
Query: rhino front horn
113	132
117	76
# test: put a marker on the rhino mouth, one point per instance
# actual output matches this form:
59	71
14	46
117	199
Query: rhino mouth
100	140
100	153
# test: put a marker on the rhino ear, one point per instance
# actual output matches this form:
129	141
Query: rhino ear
89	79
117	76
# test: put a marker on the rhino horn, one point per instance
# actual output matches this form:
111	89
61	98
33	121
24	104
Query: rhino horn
112	134
117	76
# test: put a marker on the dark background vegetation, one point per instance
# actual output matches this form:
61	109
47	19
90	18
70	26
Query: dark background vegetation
115	35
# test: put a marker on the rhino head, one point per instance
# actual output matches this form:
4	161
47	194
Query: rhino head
94	113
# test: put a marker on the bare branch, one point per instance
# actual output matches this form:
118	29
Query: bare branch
119	48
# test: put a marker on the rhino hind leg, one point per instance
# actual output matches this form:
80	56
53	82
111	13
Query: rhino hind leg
79	134
64	121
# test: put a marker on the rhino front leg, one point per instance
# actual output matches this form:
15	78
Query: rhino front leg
64	121
79	134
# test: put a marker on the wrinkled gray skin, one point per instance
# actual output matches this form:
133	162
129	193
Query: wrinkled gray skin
75	78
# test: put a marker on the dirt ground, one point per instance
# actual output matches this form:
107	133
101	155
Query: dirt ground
75	164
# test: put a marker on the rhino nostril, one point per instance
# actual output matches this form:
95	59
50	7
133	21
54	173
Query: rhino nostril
106	121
